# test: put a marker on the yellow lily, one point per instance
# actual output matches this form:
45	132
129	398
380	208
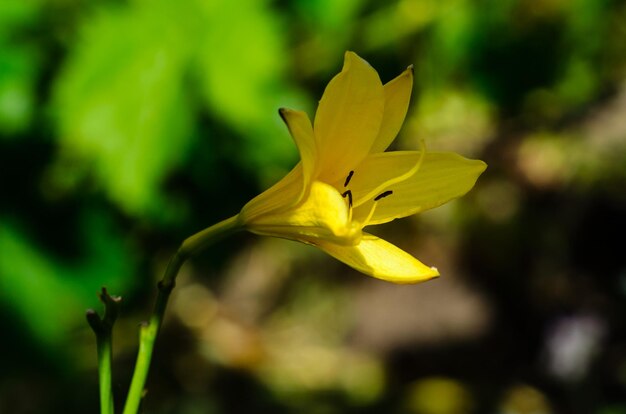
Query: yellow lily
346	181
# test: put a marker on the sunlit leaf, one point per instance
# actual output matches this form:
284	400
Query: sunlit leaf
17	14
124	98
121	107
241	65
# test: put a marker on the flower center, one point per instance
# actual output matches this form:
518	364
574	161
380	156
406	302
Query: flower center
348	194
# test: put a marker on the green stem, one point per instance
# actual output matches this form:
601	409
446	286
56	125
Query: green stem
149	331
103	328
103	344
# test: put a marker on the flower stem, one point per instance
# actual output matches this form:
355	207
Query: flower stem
104	370
104	348
149	331
103	328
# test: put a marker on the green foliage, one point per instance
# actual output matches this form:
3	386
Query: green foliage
241	81
125	99
121	107
50	295
18	65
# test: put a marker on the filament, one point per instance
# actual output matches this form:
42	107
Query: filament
370	214
397	179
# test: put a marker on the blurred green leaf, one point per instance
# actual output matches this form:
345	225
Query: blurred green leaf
18	71
243	81
390	25
18	66
17	14
125	101
584	37
120	104
50	295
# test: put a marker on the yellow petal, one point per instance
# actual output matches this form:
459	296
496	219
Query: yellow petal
378	172
302	133
348	118
323	215
441	177
381	259
397	97
281	196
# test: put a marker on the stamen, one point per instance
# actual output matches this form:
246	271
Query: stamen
370	214
348	178
350	213
348	194
383	195
365	197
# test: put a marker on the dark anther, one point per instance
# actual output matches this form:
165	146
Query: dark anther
348	194
383	195
348	178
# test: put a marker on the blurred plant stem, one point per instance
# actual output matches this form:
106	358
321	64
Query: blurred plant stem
103	328
149	331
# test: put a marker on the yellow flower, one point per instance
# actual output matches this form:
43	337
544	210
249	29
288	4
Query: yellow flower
345	181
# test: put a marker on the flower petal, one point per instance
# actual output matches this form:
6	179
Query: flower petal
323	215
381	259
442	176
378	172
348	118
302	133
281	196
397	97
